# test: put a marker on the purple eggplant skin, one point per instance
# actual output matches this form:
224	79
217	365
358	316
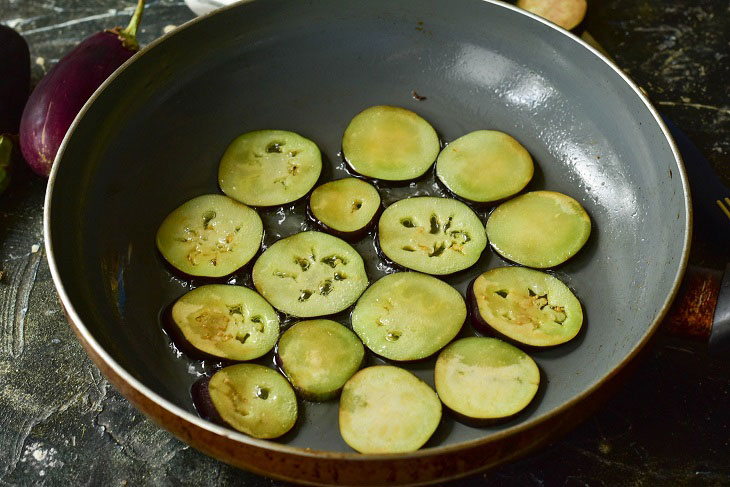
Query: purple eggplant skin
203	403
14	79
59	96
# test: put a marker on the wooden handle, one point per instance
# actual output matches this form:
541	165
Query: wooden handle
693	310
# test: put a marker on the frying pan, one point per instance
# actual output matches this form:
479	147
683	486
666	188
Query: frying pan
152	137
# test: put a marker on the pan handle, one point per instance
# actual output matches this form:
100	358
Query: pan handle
701	309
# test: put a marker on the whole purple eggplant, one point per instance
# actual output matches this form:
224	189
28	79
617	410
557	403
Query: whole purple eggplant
14	78
59	96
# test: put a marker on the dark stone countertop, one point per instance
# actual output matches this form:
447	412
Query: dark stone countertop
62	424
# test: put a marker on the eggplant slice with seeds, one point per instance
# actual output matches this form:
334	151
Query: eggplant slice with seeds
432	235
269	167
226	322
346	207
485	379
210	236
385	409
250	398
310	274
390	143
540	229
524	306
484	166
318	357
408	316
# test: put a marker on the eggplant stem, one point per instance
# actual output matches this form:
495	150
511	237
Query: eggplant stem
128	36
131	29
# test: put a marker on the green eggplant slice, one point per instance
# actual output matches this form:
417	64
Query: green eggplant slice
269	167
390	144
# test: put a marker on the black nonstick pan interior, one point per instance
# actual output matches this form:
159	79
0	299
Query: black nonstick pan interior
154	135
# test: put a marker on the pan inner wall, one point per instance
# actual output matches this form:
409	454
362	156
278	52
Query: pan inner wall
589	134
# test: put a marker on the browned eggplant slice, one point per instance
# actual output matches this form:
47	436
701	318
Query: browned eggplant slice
225	322
525	306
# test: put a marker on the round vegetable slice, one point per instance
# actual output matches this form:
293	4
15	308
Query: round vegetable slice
318	357
210	236
386	409
223	321
310	274
485	378
525	306
539	229
346	207
269	167
484	166
390	143
408	316
250	398
431	235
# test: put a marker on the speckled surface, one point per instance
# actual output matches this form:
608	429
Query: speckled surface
61	423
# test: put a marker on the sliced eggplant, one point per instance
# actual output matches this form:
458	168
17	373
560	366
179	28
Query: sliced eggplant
210	236
250	398
269	167
318	357
539	229
432	235
345	207
485	379
484	166
386	409
310	274
525	306
225	322
390	143
408	316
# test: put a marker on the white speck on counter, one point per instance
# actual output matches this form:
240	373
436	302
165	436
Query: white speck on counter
35	248
168	28
42	457
41	61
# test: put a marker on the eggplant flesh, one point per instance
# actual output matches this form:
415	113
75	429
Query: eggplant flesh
318	357
540	229
485	379
250	398
390	144
210	236
14	79
408	316
346	208
310	274
223	321
386	409
269	167
525	307
432	235
484	166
